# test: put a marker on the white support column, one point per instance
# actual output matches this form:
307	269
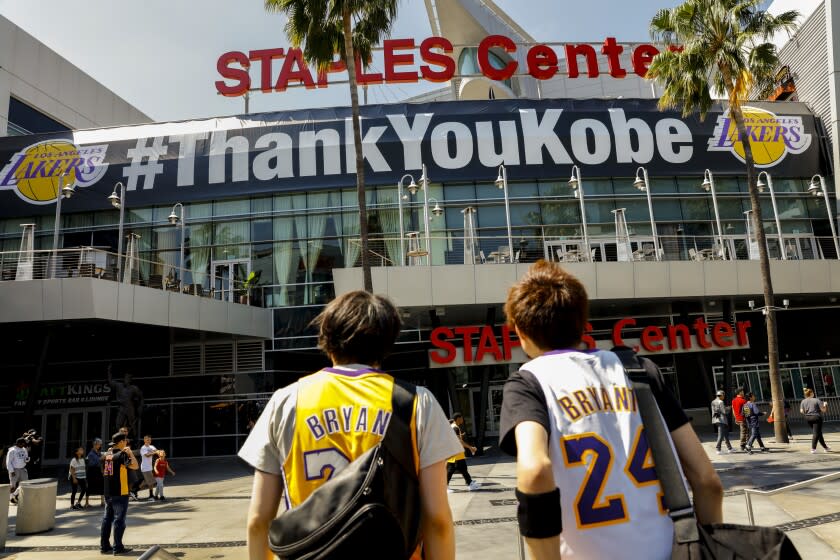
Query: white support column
832	22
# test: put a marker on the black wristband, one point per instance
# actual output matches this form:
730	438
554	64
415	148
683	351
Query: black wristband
539	515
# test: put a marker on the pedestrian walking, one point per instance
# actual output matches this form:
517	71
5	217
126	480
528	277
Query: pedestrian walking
459	461
752	418
786	406
147	456
94	471
720	421
584	482
812	409
738	411
16	459
315	427
118	461
160	469
78	479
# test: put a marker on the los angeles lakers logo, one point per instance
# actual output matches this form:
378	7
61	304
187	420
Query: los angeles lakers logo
772	137
34	173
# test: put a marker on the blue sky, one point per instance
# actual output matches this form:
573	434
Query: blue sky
160	55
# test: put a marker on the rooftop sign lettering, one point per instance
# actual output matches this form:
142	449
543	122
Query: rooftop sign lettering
431	60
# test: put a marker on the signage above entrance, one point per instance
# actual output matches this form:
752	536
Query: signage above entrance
474	345
409	61
65	395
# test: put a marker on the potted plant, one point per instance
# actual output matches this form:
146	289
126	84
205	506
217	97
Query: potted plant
250	282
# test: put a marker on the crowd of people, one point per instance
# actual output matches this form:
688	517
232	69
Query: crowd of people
748	418
108	472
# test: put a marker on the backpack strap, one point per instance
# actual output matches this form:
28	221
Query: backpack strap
398	431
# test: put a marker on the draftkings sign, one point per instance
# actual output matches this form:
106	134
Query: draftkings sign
60	395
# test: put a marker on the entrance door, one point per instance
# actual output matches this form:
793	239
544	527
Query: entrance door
494	409
228	278
66	430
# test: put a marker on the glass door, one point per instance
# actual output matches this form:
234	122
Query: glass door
229	278
64	431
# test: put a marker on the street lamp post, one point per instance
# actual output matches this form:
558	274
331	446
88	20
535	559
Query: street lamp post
63	192
501	182
820	190
424	184
119	202
412	188
436	211
643	184
709	185
761	186
174	219
576	184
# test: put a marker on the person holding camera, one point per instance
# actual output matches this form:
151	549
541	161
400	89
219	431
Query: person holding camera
16	459
117	463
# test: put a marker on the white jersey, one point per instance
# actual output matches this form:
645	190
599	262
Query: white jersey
610	496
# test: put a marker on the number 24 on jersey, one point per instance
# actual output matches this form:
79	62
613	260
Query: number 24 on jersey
591	451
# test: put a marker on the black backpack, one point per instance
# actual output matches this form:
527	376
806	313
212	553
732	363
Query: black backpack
372	505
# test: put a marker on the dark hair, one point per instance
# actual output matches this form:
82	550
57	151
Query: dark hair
147	436
549	306
456	416
358	327
750	395
20	441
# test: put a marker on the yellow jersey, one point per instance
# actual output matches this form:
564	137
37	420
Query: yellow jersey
339	415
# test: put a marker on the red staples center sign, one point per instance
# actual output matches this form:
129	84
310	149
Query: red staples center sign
409	61
479	345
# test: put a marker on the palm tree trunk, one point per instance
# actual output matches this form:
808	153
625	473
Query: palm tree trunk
766	281
357	142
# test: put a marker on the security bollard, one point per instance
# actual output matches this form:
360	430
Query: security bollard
36	506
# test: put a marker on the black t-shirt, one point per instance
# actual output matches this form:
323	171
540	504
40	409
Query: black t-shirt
115	472
524	400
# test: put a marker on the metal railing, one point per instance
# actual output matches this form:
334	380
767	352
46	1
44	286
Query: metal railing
795	486
446	249
92	262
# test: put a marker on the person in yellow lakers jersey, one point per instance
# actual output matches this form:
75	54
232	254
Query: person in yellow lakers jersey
585	478
313	428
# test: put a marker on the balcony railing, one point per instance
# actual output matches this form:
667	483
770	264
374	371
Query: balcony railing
446	250
92	262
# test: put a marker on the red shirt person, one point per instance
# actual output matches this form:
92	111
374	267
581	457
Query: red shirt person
738	410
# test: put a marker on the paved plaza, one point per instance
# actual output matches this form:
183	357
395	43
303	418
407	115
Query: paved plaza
204	517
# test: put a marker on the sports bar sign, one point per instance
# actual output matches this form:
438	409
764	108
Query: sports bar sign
433	62
479	345
458	141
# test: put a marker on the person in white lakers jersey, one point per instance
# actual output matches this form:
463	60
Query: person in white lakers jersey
313	428
586	483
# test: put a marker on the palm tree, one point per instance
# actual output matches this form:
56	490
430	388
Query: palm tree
724	45
324	27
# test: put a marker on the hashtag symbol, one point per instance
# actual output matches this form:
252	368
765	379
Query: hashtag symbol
144	163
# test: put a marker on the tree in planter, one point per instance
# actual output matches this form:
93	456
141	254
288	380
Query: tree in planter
326	27
725	45
251	282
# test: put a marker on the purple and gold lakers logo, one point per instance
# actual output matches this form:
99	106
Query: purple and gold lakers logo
34	173
772	137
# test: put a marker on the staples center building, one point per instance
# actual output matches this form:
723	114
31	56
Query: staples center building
669	267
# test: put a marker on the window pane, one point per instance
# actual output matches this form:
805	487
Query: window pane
695	209
459	192
231	207
521	190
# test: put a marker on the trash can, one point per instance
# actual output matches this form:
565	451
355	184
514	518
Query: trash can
4	514
36	506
